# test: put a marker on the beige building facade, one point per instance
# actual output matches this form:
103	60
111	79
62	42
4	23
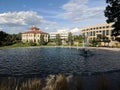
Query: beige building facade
63	34
92	32
34	35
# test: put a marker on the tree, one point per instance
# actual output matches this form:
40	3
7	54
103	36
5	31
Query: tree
31	43
9	39
58	40
42	42
70	39
112	12
93	42
99	37
4	38
78	38
18	37
106	40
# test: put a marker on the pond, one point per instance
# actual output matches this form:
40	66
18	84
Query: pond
45	61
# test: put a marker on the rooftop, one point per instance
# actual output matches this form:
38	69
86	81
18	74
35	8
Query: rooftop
34	30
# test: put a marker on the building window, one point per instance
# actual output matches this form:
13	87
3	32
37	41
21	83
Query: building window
103	33
103	26
94	33
107	32
90	33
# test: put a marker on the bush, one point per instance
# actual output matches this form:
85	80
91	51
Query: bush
61	83
31	43
34	84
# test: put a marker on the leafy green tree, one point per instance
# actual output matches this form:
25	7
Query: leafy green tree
70	38
58	40
42	42
105	40
99	37
3	35
94	42
9	39
78	38
18	37
48	38
31	43
4	38
112	12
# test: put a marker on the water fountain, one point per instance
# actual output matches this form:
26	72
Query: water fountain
86	53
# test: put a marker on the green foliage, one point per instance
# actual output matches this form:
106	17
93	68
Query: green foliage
31	43
49	38
112	12
42	42
99	37
70	39
5	39
78	38
94	42
58	40
9	39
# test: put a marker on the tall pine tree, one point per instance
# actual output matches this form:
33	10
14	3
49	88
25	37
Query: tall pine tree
112	12
58	40
42	42
70	38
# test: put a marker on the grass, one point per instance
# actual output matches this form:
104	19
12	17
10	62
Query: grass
16	45
34	84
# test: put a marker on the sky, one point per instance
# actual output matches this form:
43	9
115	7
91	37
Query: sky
50	15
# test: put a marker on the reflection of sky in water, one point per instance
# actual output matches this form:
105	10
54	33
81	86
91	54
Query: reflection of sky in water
55	60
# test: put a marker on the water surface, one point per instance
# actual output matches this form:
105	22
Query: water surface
45	61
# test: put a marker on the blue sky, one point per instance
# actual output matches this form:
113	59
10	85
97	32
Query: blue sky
50	15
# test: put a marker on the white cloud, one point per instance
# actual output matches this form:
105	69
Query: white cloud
22	18
1	29
46	28
66	30
75	30
78	10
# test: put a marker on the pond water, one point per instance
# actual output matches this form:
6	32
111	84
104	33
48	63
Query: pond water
45	61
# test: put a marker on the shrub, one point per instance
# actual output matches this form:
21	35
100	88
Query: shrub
31	43
34	84
61	83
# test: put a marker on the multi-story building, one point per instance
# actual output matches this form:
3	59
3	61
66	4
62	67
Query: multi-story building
92	32
34	35
63	34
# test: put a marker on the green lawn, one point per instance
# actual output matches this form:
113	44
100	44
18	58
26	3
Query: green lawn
16	45
28	45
